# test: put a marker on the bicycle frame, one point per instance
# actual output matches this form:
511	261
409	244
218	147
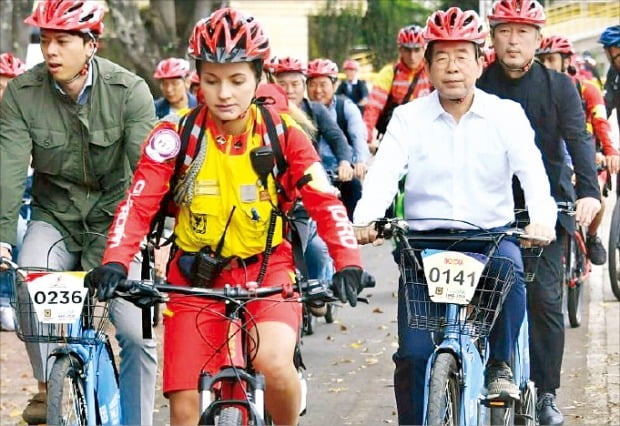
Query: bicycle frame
235	370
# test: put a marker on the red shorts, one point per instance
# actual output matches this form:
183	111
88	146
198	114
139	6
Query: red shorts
194	328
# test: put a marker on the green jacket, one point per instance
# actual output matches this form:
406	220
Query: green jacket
82	155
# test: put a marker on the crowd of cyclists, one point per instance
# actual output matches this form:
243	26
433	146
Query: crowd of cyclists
448	125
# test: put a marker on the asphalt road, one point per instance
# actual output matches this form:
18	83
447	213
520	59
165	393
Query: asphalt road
350	367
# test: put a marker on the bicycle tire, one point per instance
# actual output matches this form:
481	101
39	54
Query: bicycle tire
613	251
444	395
230	416
308	323
573	304
330	314
58	411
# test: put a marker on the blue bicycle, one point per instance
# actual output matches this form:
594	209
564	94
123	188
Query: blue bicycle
458	296
82	388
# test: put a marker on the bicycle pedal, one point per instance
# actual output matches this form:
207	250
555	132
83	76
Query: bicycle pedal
499	401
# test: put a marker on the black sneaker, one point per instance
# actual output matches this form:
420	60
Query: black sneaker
547	412
498	382
596	251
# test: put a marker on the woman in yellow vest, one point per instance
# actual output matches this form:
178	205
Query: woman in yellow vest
224	208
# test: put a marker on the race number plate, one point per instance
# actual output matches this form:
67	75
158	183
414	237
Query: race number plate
452	276
57	297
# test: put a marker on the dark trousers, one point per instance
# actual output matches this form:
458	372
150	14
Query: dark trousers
350	193
546	319
415	346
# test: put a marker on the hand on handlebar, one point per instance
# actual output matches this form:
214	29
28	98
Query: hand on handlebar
349	282
613	163
541	235
366	234
345	171
6	253
106	278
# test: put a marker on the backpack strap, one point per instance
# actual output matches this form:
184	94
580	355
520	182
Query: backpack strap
187	152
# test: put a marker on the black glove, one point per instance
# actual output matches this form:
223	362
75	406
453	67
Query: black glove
347	284
105	279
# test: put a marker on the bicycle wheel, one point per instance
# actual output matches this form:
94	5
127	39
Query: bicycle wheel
525	409
613	251
66	400
573	301
444	394
230	416
504	416
330	315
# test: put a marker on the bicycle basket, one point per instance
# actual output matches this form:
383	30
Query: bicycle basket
477	318
54	307
531	257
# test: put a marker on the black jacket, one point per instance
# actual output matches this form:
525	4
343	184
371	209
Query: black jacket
553	106
328	129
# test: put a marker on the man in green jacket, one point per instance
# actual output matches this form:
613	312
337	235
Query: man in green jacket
82	120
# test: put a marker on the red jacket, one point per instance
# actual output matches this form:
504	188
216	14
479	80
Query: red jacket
156	166
596	121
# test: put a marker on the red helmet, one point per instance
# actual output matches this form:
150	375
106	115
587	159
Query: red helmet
350	64
517	11
289	64
489	55
194	78
68	15
322	68
270	65
171	68
272	94
411	36
228	36
11	66
455	25
555	44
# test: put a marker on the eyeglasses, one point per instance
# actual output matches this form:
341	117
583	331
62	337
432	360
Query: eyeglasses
443	60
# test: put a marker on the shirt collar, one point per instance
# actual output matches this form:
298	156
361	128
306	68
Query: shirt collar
477	107
85	92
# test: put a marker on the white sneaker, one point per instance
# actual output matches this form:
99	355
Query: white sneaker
7	318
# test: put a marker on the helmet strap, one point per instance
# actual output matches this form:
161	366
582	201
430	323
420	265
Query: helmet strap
525	68
86	66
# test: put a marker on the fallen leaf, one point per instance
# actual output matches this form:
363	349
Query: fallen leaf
377	310
372	361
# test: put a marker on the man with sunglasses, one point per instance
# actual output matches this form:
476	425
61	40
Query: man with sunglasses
397	84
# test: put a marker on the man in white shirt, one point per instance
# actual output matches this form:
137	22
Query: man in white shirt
458	148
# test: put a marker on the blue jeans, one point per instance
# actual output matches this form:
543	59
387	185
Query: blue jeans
318	261
416	346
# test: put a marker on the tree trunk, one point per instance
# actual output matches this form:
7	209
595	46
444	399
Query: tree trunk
14	34
142	51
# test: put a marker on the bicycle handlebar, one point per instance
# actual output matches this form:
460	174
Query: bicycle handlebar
149	292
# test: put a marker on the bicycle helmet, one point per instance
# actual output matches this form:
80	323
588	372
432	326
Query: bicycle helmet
194	78
11	66
350	64
270	65
228	35
517	11
322	68
555	44
410	37
289	64
455	25
171	68
68	15
611	36
489	55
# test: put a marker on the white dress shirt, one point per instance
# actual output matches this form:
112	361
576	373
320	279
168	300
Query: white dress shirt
460	171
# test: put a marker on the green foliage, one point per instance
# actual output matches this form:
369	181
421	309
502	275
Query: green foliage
335	33
463	4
